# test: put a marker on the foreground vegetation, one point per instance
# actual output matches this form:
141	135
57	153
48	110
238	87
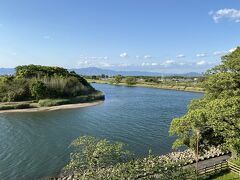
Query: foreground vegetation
214	119
94	158
100	159
35	86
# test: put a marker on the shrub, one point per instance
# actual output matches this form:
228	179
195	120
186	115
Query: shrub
22	106
15	106
6	107
38	89
92	153
53	102
117	79
131	80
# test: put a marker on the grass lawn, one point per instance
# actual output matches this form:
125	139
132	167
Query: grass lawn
225	175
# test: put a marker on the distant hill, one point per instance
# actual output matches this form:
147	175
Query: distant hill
190	74
7	71
98	71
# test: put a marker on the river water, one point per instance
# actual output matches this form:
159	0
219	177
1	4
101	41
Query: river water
34	145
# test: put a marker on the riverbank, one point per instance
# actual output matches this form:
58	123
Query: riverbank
52	108
187	158
52	104
152	85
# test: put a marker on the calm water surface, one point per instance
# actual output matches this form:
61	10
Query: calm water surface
35	145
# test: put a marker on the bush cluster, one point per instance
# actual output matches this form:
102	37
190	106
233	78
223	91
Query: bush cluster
95	158
15	106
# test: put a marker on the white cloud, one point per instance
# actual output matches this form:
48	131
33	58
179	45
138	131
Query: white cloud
228	14
169	62
201	62
137	56
94	57
123	65
104	64
147	57
83	63
218	53
124	55
86	63
231	50
201	55
145	64
149	64
180	56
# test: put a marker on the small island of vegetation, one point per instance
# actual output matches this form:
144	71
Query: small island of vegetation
35	86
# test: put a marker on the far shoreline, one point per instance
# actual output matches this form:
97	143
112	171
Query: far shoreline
53	108
176	88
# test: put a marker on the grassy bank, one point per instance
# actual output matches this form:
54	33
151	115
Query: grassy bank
152	85
224	175
52	102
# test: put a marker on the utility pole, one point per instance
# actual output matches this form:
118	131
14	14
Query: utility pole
197	148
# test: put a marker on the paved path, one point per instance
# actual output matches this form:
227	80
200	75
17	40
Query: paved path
212	161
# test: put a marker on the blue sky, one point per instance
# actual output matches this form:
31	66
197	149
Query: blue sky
146	35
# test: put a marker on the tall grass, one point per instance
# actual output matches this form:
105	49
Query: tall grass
15	106
78	99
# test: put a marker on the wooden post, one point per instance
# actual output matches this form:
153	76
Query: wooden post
197	133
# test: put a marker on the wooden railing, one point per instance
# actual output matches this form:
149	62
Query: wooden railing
214	168
234	167
224	165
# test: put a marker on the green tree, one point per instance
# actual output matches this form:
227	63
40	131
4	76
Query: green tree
38	89
117	79
216	116
92	153
99	159
131	81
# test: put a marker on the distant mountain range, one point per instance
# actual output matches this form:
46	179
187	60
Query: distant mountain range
98	71
7	71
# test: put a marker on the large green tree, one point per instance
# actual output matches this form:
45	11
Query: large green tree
214	119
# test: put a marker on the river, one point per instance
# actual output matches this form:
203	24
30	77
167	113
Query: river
34	145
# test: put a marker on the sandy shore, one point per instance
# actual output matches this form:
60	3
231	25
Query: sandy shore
53	108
